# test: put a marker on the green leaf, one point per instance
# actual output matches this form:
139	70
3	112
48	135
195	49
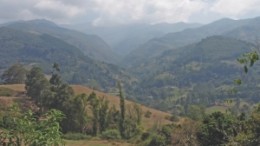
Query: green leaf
238	81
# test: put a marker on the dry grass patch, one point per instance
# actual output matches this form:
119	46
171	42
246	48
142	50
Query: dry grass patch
157	117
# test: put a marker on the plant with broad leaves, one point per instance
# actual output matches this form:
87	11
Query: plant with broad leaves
25	129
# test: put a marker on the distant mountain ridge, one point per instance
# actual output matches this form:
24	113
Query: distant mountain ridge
210	61
125	38
92	45
225	27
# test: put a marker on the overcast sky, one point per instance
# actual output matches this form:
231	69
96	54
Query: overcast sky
113	12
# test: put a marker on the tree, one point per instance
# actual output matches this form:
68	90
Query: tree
76	114
103	114
16	74
217	129
195	112
62	92
122	112
94	102
133	119
38	88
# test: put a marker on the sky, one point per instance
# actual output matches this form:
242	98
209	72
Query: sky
116	12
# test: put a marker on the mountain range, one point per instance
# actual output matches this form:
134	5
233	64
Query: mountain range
91	45
154	59
125	38
245	29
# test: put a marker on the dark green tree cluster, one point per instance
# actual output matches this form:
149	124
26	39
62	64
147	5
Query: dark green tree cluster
225	129
16	74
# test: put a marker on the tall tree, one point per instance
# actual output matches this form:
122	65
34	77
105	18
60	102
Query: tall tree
103	114
94	102
62	92
16	74
122	112
37	87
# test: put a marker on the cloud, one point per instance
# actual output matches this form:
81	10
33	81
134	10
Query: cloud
236	8
149	11
112	12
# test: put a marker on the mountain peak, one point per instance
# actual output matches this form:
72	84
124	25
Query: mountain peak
40	22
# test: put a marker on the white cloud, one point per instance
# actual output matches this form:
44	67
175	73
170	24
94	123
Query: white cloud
57	6
149	11
235	8
104	12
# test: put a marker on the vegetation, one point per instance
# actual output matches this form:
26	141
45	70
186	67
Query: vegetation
24	129
16	74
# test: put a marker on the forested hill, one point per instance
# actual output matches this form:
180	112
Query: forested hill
92	45
44	50
245	29
212	61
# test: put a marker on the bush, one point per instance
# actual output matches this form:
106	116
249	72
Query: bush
157	140
76	136
172	118
111	134
148	114
6	92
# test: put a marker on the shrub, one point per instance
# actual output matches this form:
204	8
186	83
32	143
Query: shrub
148	114
157	140
111	134
76	136
172	118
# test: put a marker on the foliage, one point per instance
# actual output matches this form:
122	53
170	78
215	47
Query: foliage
94	102
113	134
157	140
217	129
148	114
248	60
196	112
15	74
38	88
25	129
122	112
103	114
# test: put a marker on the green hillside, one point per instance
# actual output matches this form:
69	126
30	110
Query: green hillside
92	45
210	62
44	50
155	47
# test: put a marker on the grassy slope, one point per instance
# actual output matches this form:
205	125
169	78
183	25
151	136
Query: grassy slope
156	117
